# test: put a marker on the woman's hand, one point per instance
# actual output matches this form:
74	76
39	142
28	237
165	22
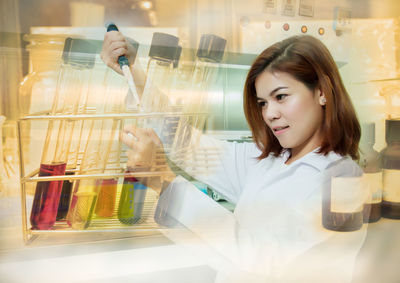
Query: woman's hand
115	45
142	144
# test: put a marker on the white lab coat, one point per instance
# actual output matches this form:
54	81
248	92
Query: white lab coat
278	218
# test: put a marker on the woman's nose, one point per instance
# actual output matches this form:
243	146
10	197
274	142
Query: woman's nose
272	112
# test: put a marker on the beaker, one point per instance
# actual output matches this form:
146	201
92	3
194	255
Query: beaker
78	58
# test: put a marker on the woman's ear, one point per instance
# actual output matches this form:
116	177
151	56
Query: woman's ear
322	100
321	97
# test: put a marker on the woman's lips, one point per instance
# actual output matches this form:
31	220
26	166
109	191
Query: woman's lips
280	130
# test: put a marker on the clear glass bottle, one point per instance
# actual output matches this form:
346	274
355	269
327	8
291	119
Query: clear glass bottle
209	55
343	196
164	56
37	89
370	163
73	72
391	170
163	52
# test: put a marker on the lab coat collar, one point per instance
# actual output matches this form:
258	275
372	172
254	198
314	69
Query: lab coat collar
313	158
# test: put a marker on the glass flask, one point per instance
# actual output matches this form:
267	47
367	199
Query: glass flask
78	59
370	163
391	170
343	196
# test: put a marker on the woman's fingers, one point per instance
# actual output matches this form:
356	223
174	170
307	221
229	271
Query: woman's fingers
130	140
155	138
114	45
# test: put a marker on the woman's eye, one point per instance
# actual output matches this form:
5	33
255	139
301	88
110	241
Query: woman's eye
262	103
280	96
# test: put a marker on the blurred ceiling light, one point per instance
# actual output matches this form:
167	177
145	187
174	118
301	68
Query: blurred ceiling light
146	5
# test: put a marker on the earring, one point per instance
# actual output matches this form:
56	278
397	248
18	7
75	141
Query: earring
323	100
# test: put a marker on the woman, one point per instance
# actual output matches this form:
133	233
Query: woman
305	132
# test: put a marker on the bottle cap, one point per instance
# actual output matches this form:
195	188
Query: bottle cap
211	47
177	57
392	130
80	52
368	133
163	46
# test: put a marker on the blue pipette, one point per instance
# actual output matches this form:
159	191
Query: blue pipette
124	64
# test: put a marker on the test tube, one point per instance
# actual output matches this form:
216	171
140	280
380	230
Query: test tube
86	88
77	59
108	187
96	155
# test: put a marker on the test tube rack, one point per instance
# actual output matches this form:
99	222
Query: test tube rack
98	225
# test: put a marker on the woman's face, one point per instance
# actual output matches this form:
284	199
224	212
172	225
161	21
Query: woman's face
293	112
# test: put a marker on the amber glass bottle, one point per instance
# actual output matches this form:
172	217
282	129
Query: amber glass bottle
370	163
391	171
343	197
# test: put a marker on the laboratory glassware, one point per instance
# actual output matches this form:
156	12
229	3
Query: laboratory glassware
208	56
108	187
391	170
38	88
343	196
101	133
370	163
89	88
164	54
78	58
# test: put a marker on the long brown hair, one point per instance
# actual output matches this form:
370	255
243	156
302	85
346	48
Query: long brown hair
308	60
